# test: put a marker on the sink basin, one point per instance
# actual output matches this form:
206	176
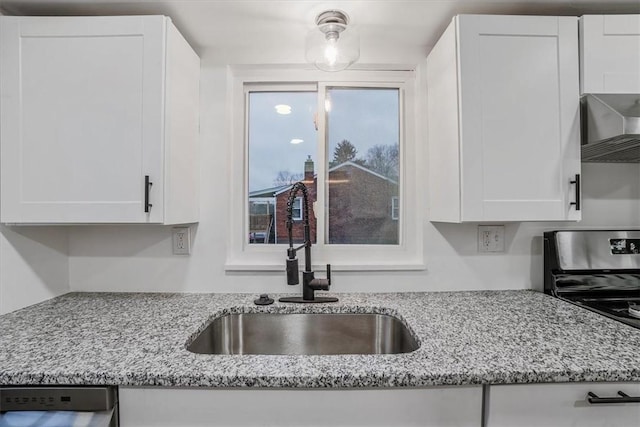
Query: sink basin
269	333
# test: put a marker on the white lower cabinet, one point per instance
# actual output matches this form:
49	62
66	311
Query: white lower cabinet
538	405
190	407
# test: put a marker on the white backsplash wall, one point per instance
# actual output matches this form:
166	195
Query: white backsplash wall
33	265
138	258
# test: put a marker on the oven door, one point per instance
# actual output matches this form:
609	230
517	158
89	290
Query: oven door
58	406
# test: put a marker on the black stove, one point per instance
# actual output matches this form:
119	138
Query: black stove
596	269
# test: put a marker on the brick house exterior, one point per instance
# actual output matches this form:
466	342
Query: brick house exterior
282	198
361	207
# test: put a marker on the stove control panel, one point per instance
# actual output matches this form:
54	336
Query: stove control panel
625	246
602	250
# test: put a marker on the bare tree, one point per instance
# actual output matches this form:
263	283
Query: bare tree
287	178
384	160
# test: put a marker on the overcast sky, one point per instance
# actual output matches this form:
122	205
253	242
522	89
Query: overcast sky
365	117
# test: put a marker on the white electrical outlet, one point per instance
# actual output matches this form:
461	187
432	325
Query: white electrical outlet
181	239
491	238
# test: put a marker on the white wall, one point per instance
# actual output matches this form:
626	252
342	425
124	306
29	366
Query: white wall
33	265
138	258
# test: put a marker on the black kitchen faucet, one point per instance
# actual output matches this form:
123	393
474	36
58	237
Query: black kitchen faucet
309	283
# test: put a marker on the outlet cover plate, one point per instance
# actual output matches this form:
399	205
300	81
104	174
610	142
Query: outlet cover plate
181	240
491	238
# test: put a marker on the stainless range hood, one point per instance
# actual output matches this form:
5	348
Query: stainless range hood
611	128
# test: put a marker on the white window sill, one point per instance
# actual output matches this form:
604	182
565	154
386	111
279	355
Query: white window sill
409	266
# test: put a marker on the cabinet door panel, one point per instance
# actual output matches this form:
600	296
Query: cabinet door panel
83	101
542	405
610	53
519	117
71	110
196	407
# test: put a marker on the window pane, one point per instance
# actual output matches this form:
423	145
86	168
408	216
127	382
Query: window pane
363	134
296	210
281	146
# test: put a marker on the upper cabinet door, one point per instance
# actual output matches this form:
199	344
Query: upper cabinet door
517	129
520	116
610	53
82	119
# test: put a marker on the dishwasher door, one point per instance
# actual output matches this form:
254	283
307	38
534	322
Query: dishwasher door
68	406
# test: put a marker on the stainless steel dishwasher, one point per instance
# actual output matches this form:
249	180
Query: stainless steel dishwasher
58	406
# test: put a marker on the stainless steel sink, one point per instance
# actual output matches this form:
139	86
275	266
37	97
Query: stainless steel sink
270	333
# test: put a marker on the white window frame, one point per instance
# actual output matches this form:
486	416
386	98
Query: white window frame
297	200
395	208
407	255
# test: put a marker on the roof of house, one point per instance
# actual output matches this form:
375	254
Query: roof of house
356	165
275	191
268	192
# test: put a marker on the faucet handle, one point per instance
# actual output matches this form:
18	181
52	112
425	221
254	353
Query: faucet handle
293	275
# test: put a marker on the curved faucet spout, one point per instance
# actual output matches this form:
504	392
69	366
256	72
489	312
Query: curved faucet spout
291	252
309	283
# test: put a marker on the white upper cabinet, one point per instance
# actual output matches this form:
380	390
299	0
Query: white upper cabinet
92	108
503	120
610	53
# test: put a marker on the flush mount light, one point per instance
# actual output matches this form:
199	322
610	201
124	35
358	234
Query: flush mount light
283	109
296	141
332	46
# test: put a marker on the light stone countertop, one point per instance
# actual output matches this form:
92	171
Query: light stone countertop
487	337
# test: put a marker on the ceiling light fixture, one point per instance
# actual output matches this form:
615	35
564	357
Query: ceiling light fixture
283	109
332	46
297	141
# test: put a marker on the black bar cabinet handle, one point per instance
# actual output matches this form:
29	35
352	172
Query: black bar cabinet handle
624	398
147	187
576	181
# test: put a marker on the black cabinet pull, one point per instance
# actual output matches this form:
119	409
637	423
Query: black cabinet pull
147	188
624	398
576	181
